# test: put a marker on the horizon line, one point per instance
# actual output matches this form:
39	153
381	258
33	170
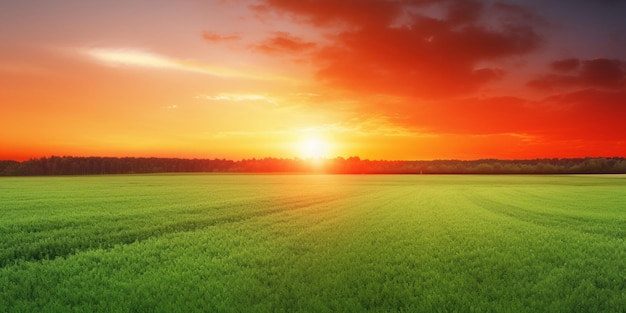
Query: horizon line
296	158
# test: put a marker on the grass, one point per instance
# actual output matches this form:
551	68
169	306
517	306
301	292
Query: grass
313	243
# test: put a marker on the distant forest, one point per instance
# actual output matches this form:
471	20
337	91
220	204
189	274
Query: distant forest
67	165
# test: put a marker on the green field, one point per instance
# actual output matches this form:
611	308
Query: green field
313	243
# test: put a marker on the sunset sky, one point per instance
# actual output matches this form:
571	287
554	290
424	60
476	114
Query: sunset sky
379	79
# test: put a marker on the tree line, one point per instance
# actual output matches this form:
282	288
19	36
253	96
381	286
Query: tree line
68	165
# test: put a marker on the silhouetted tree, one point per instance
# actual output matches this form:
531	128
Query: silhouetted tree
68	165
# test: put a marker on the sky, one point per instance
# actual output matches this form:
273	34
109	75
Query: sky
378	79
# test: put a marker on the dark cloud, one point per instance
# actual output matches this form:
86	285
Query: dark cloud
464	12
566	65
513	9
602	73
395	47
283	42
215	37
609	1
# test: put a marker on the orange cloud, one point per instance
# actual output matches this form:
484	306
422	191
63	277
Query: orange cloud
215	37
283	42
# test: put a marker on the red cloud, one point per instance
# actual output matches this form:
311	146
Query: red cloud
591	114
432	65
393	47
214	37
325	12
283	42
582	115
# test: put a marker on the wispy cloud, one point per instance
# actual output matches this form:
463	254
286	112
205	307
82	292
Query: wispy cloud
127	57
144	59
368	127
237	97
215	37
282	43
248	134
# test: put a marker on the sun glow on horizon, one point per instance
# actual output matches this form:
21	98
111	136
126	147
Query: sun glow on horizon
314	148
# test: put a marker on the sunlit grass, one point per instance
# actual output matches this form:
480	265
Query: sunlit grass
314	243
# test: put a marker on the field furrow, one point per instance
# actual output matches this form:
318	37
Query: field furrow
313	243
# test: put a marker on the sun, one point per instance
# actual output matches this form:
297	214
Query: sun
314	148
